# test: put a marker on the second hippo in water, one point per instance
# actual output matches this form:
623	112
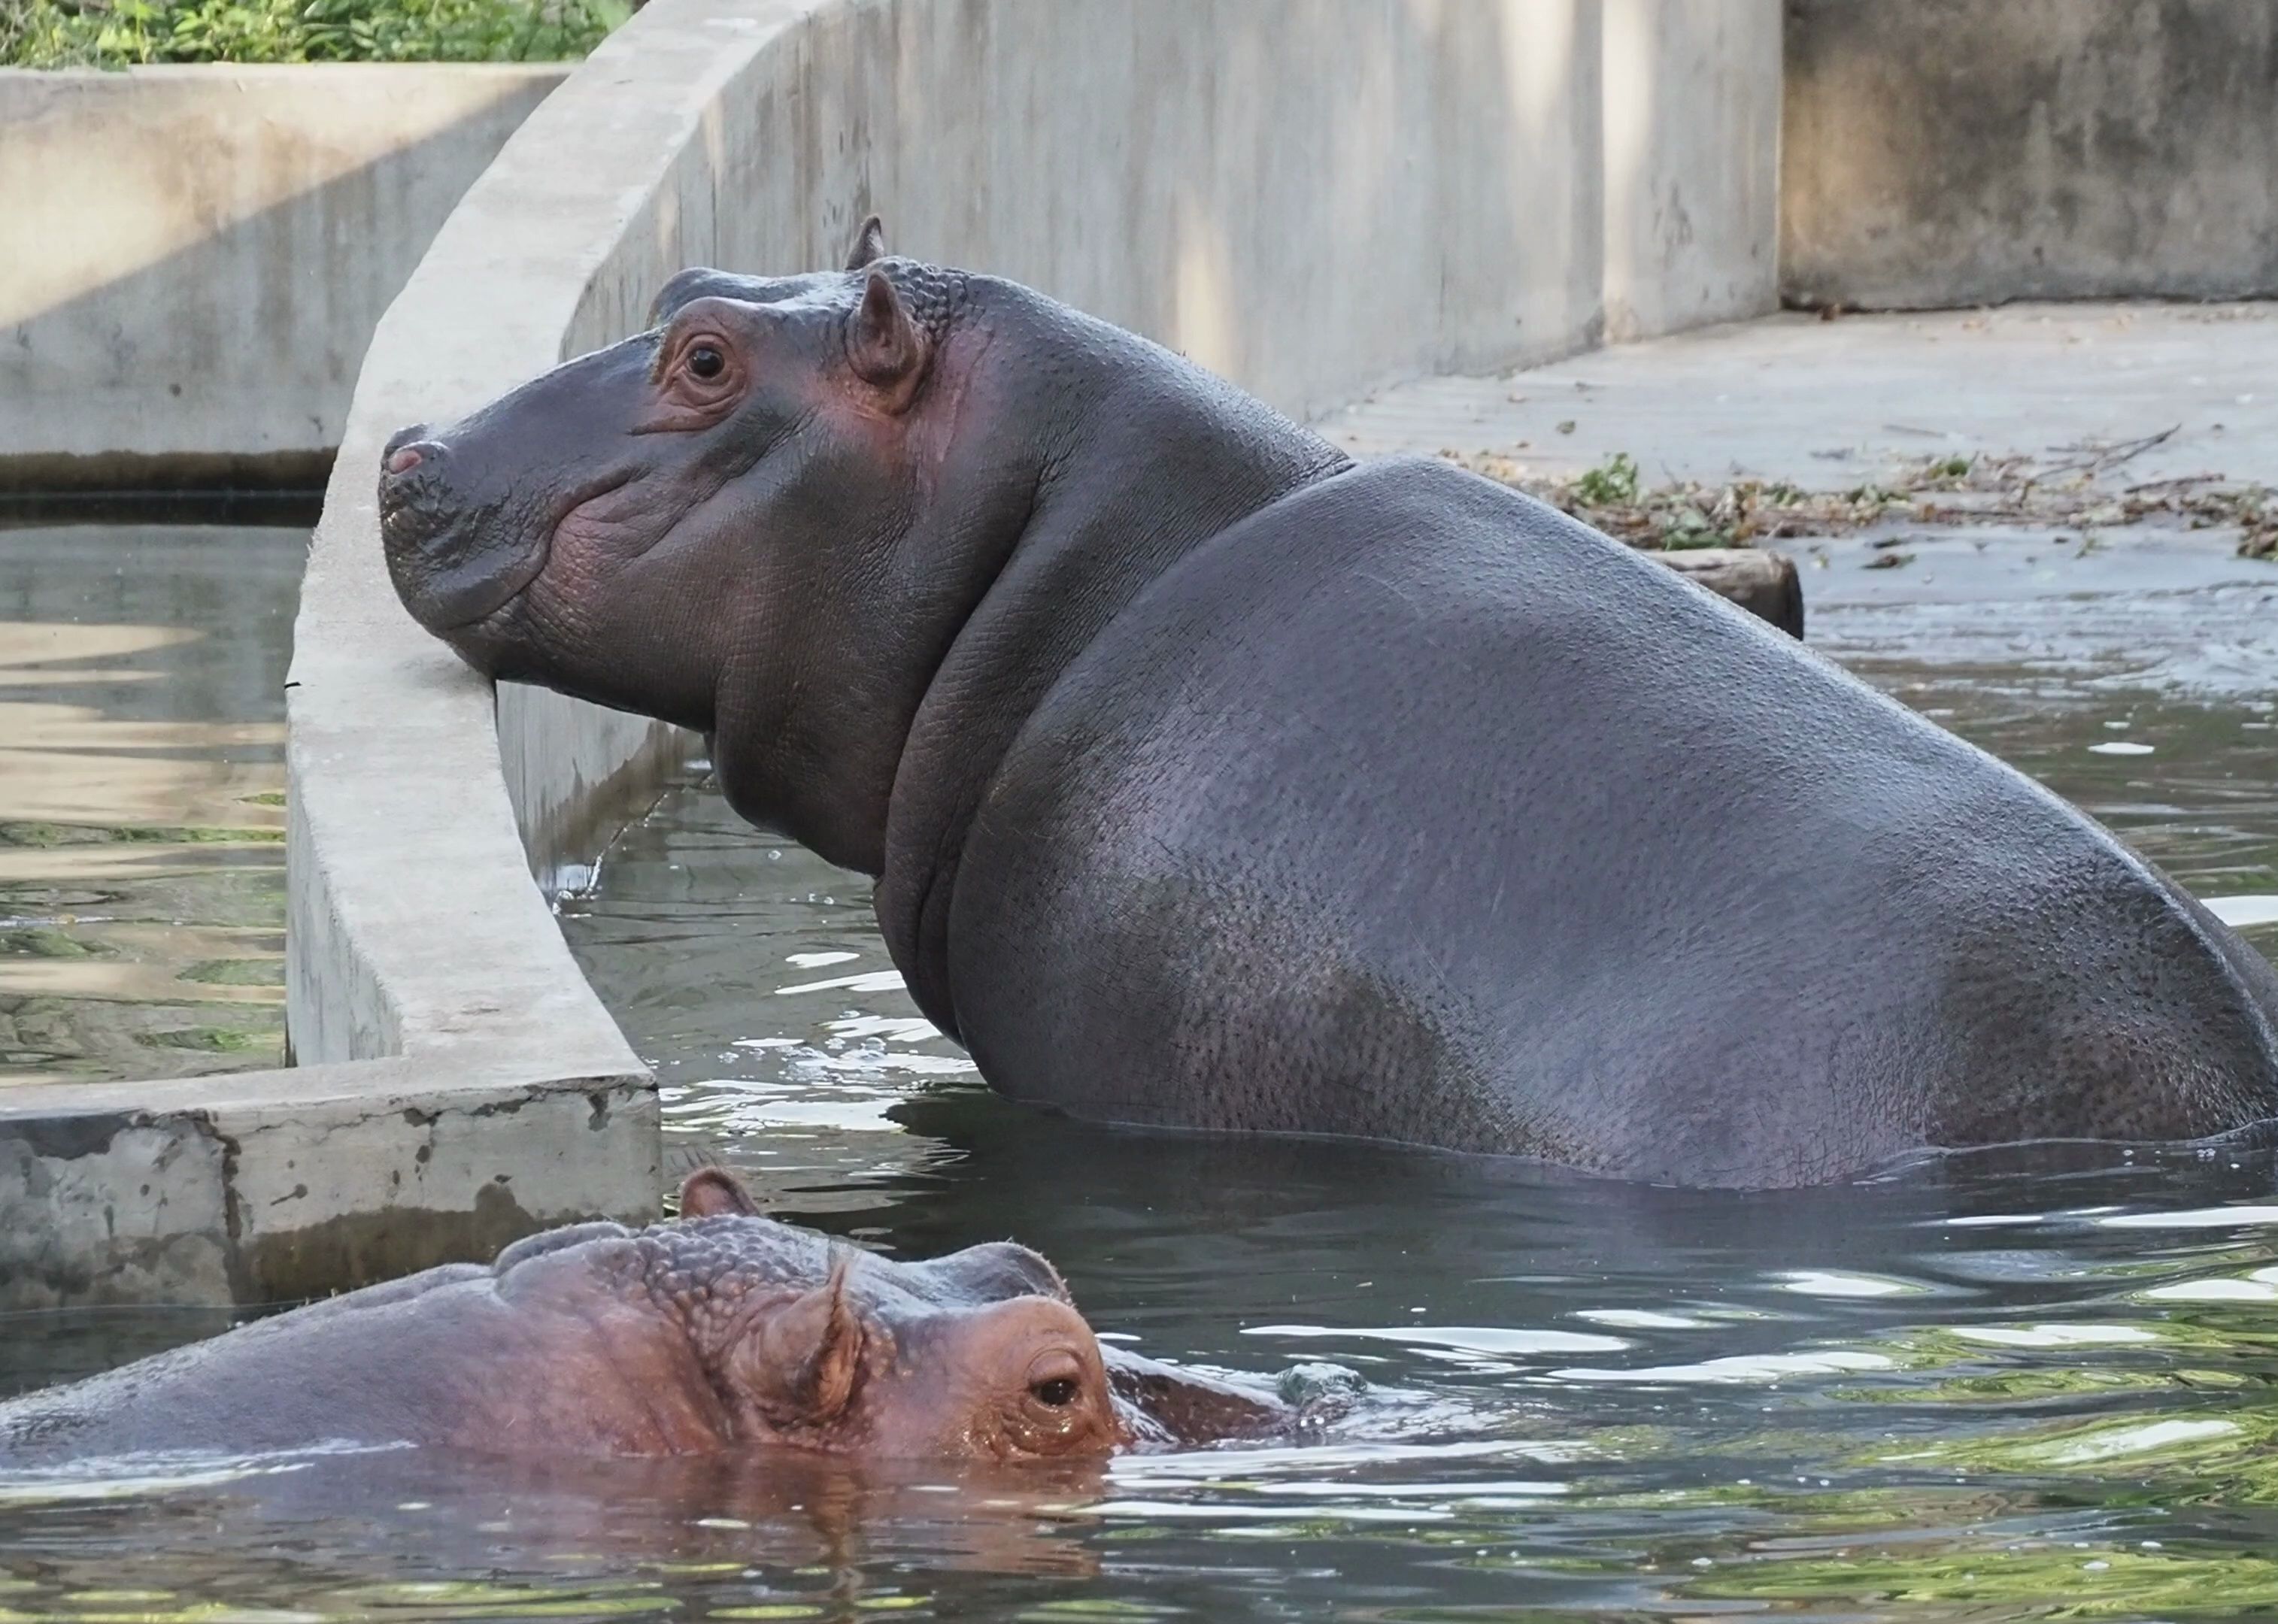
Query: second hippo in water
722	1331
1213	781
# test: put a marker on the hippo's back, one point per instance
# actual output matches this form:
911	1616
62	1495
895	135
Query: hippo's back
1408	808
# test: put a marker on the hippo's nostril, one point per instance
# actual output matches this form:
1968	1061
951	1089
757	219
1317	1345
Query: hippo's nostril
402	437
407	459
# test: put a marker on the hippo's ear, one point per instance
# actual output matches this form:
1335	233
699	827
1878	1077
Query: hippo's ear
884	345
712	1192
809	1352
869	244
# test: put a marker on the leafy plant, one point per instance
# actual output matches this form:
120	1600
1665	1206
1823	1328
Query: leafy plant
1611	483
56	34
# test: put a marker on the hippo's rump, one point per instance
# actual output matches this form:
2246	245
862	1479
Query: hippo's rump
1408	808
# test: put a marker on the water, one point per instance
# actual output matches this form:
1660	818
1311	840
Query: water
2025	1385
142	798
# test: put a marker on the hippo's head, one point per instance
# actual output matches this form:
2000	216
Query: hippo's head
810	1344
707	524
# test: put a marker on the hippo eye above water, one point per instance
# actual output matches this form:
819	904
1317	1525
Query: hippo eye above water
706	362
1058	1391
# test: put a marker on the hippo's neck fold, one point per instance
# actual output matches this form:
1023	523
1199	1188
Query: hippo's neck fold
1144	457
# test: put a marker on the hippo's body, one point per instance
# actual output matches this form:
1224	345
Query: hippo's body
1211	780
719	1333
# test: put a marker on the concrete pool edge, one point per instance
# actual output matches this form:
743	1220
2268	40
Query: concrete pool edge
260	1186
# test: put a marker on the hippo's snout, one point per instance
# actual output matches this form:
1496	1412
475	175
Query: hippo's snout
406	450
415	501
453	556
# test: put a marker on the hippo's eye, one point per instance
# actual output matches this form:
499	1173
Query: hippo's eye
706	362
1056	1393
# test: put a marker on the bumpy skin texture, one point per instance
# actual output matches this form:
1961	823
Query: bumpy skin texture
1211	780
720	1333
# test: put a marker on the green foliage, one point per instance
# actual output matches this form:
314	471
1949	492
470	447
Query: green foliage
1610	484
59	33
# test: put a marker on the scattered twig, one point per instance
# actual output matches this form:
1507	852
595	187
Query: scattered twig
2172	479
2102	458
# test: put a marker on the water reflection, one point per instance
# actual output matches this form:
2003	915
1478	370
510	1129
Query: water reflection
142	800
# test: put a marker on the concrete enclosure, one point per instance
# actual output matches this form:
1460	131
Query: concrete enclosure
195	257
1947	152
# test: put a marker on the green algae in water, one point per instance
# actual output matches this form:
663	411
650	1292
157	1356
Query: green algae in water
48	835
209	1039
2054	1582
238	972
48	943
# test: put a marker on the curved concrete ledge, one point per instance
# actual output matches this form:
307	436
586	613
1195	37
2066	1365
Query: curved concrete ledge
1313	199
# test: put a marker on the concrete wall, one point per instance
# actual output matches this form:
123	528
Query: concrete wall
192	259
1952	152
1312	198
263	1186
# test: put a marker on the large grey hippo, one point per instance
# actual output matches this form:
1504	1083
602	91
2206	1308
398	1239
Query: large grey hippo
720	1333
1213	781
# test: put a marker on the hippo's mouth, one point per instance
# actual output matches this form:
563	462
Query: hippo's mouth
452	578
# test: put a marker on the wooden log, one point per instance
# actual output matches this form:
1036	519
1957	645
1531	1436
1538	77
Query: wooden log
1764	583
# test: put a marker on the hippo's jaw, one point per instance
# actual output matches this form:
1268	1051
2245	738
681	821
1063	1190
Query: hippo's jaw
451	581
457	563
471	514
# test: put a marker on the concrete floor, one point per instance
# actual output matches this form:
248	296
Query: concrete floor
1825	404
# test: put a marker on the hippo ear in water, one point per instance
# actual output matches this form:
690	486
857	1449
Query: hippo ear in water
804	1360
715	1191
884	345
869	244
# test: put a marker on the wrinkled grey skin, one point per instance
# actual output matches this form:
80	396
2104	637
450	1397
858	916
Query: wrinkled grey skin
720	1333
1211	780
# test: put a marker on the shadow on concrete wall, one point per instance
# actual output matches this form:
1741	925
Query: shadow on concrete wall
229	363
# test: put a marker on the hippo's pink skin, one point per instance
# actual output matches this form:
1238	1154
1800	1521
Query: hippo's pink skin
722	1331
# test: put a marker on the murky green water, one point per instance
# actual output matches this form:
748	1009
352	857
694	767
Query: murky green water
142	798
1987	1388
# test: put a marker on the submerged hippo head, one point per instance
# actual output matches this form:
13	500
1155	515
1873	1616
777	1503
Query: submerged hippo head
707	524
801	1341
720	1333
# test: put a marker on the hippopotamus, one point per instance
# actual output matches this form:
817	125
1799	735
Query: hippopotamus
1210	779
721	1331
